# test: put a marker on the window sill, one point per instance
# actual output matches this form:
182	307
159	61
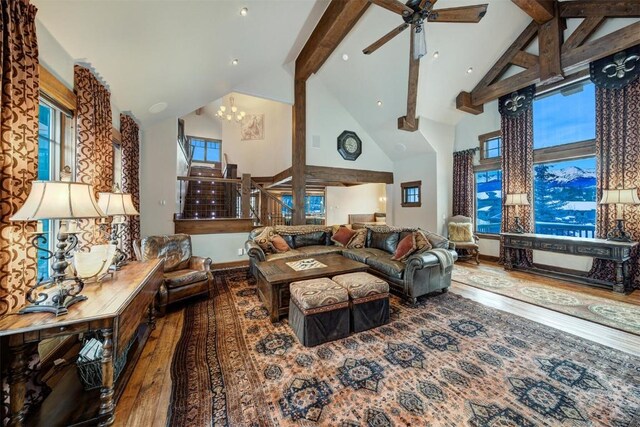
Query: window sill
488	236
411	205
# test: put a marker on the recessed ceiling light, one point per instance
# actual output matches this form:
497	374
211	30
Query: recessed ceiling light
400	147
470	70
157	108
379	103
345	57
244	11
235	62
436	54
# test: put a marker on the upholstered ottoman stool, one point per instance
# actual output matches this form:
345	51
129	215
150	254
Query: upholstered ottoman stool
369	297
318	311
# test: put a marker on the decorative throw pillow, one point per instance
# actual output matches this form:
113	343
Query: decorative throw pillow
358	240
342	236
381	220
460	232
405	248
422	243
335	228
264	238
278	244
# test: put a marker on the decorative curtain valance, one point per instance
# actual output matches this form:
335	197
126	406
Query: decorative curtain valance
130	178
94	146
616	71
463	182
618	163
516	103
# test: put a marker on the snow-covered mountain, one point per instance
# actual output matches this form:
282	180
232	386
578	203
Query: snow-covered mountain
574	175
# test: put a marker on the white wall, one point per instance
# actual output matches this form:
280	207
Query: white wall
159	162
326	120
219	247
466	136
359	199
265	157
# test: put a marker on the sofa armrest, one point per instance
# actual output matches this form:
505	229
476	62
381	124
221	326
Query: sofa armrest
254	251
200	263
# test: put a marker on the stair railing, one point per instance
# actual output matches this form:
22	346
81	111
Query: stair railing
273	211
183	194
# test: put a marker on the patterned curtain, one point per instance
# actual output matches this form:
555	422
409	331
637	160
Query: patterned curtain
463	182
618	163
517	173
19	162
130	177
94	146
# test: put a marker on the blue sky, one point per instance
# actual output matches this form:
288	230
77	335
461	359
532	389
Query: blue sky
560	119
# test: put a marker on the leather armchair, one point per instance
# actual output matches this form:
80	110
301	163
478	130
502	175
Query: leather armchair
185	275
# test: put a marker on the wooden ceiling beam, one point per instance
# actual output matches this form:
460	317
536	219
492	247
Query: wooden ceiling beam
409	122
541	11
571	60
525	59
347	176
595	8
336	22
550	39
524	39
583	32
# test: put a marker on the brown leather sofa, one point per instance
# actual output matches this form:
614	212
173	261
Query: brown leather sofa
185	275
421	274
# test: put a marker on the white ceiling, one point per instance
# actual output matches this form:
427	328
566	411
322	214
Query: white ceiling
180	51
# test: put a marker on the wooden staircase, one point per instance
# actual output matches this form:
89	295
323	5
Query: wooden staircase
207	199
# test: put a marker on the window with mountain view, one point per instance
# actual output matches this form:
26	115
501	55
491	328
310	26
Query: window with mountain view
564	199
488	201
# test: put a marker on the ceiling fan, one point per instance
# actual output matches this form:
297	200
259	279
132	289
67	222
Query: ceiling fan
415	13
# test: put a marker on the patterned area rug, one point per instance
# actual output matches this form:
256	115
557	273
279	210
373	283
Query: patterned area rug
446	362
618	315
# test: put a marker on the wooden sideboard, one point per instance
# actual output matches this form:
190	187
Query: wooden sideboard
121	309
618	252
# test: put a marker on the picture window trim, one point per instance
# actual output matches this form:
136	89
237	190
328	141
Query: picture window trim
404	187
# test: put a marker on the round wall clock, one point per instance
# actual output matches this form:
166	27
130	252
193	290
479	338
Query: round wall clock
349	145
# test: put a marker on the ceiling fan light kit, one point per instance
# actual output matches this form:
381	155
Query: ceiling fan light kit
416	13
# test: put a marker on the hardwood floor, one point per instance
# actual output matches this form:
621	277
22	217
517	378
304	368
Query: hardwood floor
145	401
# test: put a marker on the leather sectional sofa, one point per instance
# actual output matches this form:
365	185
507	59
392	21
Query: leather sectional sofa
422	273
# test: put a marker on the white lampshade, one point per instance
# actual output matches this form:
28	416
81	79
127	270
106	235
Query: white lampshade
620	196
59	200
117	204
517	199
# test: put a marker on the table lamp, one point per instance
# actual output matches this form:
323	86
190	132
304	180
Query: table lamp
119	206
66	202
517	200
619	196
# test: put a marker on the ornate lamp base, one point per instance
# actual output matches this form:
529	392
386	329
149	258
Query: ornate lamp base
517	227
59	308
618	234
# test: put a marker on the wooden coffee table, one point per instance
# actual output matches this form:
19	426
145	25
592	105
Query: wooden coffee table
275	276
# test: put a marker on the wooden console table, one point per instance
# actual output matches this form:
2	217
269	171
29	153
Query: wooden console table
619	252
121	309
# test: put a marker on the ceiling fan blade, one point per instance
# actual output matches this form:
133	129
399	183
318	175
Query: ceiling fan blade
470	14
391	34
394	6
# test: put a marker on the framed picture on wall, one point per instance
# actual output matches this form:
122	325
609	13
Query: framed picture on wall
252	127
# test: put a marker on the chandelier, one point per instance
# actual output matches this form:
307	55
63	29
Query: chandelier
230	112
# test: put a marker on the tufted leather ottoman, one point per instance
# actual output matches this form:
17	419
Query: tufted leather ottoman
369	297
319	311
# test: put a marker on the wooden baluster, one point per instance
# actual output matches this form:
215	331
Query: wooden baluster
18	383
106	395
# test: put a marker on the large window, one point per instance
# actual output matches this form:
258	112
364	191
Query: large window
564	193
54	127
565	116
205	150
565	197
488	201
313	204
